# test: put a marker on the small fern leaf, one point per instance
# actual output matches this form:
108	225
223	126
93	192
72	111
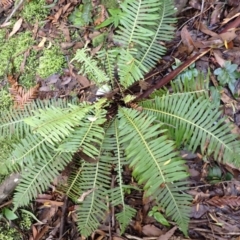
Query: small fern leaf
90	68
56	123
130	70
37	177
155	163
195	123
108	59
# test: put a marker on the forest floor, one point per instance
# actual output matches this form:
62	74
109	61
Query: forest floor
206	38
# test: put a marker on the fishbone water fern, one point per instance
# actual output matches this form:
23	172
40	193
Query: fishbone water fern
109	135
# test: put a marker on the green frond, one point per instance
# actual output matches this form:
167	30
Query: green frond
135	20
163	31
125	216
197	86
37	177
95	177
108	60
195	123
90	68
155	163
117	157
56	123
130	70
12	122
87	136
72	189
26	151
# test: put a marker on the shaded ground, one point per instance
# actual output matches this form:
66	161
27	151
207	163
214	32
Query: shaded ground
215	187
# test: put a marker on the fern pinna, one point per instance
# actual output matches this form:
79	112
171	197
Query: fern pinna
145	138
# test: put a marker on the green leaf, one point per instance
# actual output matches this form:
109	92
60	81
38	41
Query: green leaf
161	219
9	214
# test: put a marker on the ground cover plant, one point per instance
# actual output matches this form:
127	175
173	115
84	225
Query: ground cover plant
114	132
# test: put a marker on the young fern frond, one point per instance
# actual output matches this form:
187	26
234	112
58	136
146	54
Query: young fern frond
130	70
90	68
195	123
163	31
108	59
155	163
37	177
118	158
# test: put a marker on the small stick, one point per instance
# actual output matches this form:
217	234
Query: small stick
14	10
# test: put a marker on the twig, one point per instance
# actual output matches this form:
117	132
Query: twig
14	11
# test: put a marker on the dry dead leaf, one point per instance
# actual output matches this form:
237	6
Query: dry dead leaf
168	234
151	231
218	56
83	81
203	28
187	39
41	44
101	16
85	194
16	27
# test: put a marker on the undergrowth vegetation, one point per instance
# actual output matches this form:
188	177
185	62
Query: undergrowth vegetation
114	131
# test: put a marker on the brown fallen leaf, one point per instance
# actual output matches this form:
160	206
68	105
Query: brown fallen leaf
218	56
187	39
151	231
16	27
168	234
85	194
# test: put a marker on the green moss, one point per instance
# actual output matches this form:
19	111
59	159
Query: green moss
7	233
52	61
110	3
5	100
7	146
13	48
35	10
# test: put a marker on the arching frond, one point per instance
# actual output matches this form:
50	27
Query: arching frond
87	136
12	121
37	177
155	163
56	123
117	157
163	31
135	20
195	123
94	183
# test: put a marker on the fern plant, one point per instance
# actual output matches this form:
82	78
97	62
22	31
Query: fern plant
109	135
